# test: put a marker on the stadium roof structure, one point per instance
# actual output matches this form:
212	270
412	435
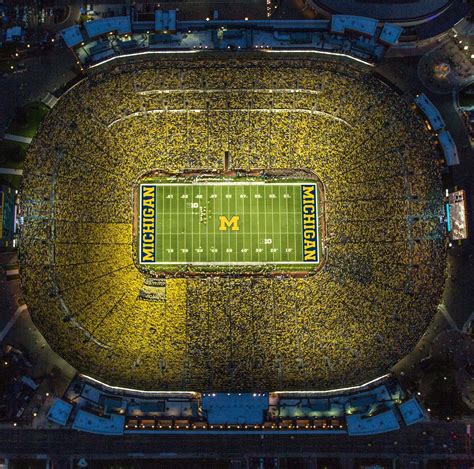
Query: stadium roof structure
411	411
371	425
241	409
60	412
383	10
72	36
423	19
357	24
112	424
165	20
449	148
119	24
390	34
430	111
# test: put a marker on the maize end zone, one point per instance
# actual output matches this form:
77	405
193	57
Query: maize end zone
245	224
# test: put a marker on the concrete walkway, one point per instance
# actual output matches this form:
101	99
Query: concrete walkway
17	138
11	171
12	321
442	309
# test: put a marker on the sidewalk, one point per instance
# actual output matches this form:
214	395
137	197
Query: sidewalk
13	172
17	138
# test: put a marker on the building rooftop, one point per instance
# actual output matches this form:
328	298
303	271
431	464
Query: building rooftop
360	24
120	24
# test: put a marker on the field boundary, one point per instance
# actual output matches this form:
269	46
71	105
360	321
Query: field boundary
202	177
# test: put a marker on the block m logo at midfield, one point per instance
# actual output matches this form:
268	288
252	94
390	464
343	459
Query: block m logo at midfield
225	223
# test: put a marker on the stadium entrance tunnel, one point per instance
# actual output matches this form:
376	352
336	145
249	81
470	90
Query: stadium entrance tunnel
259	222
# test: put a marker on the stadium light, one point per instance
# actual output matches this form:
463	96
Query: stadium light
138	391
338	390
321	52
150	52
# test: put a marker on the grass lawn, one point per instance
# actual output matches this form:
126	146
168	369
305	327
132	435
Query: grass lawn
28	120
11	180
12	154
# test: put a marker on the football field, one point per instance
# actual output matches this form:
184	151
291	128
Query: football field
229	223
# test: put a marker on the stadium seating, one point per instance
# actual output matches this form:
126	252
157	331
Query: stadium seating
348	323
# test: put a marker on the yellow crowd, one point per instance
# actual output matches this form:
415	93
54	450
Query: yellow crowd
350	322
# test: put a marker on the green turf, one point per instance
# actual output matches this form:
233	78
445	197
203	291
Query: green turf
28	120
187	226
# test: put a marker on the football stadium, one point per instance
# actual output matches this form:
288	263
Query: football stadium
223	223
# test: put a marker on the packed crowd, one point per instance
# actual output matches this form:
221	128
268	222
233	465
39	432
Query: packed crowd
350	322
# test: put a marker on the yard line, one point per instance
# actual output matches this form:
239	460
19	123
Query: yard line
214	221
192	224
248	238
258	224
251	213
174	217
231	263
279	225
228	231
251	224
272	228
160	198
236	234
206	224
220	237
296	241
256	233
177	225
185	219
287	236
265	220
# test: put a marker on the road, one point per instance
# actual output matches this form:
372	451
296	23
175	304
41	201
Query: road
422	440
